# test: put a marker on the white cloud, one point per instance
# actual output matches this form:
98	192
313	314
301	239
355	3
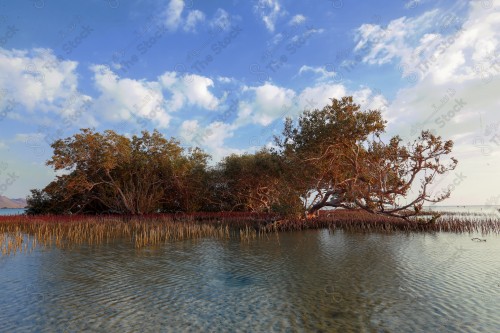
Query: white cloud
190	88
437	43
411	4
28	137
267	103
36	80
126	99
225	79
301	38
383	44
314	31
173	17
211	138
319	95
38	83
297	19
221	20
188	129
217	132
370	99
465	62
196	89
193	19
322	72
455	95
173	14
269	11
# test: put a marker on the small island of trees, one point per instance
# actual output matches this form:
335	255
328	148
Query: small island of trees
330	157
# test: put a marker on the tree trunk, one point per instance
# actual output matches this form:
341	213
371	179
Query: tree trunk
312	212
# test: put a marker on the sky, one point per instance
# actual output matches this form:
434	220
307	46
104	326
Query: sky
223	75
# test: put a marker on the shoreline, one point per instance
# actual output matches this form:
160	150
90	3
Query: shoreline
22	233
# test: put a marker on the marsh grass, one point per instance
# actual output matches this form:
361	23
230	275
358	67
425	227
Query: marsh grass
14	242
21	234
455	223
67	231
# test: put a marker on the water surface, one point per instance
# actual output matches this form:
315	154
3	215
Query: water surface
12	211
300	281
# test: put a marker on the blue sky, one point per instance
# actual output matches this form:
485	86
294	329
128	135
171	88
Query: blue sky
224	74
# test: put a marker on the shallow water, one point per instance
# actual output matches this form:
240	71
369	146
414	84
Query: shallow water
493	211
12	211
299	281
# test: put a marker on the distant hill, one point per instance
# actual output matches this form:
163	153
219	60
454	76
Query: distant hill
12	203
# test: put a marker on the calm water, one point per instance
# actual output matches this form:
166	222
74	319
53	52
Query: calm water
12	211
460	209
487	210
302	281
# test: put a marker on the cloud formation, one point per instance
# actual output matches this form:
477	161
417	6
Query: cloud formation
269	11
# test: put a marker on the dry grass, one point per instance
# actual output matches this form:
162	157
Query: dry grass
16	242
23	233
456	223
66	231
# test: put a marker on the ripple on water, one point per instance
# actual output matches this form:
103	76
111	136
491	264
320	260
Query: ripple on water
303	281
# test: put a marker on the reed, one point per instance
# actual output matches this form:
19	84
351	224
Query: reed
23	233
448	222
67	231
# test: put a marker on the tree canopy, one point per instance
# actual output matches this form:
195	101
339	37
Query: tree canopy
340	160
109	172
330	157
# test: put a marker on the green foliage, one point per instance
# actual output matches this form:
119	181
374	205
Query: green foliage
254	182
40	202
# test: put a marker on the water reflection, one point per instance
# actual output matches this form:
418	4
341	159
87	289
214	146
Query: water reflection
299	281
